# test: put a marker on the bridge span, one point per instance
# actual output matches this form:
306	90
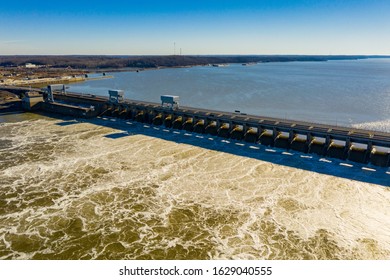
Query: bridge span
345	143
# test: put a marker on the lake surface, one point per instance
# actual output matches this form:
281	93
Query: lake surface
116	189
349	92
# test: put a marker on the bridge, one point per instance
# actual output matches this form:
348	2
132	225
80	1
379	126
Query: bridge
345	143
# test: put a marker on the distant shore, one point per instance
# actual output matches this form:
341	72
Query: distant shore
106	62
39	71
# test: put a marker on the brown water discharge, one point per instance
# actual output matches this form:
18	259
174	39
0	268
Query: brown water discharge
70	192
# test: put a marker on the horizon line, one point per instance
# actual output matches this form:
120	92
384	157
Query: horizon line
178	55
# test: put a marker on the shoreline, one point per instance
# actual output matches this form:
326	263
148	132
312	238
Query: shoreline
43	82
43	75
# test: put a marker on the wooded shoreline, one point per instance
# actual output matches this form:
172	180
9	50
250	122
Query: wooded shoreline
117	62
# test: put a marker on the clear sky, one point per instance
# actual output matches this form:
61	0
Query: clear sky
195	27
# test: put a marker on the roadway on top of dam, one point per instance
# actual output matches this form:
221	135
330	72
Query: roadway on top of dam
315	129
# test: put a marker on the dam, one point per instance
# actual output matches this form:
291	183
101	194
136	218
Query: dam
344	143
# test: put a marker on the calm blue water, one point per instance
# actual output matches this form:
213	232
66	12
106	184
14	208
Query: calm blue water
349	92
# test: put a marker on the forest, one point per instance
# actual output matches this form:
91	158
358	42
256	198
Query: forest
117	62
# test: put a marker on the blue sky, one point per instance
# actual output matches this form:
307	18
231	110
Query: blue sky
195	27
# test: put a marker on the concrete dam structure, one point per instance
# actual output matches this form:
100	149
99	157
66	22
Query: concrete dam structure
345	143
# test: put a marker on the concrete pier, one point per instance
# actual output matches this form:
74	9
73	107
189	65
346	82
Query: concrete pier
251	135
299	143
199	126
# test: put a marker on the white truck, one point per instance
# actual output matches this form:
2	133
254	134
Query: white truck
171	101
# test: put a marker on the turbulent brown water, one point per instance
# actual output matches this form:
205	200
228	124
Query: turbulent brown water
119	190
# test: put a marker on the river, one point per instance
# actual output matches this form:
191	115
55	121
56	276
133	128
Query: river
346	92
117	189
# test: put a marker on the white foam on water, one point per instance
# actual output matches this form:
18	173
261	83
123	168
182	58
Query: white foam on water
346	164
143	196
369	169
383	125
304	156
